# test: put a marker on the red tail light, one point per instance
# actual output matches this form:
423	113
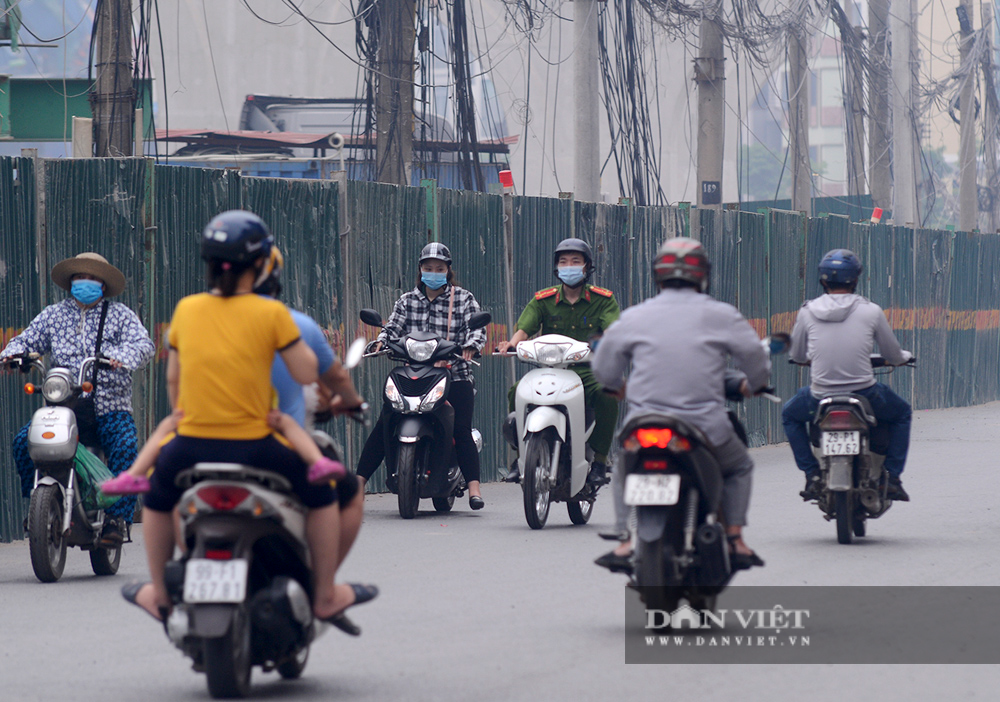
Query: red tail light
655	465
840	419
218	554
223	497
650	437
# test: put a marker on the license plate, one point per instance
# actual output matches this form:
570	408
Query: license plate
841	443
652	489
215	581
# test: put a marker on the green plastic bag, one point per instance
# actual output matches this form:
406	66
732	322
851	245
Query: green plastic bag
91	472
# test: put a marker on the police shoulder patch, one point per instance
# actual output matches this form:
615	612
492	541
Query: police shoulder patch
548	292
602	291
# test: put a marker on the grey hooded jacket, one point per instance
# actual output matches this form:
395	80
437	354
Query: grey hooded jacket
678	344
836	335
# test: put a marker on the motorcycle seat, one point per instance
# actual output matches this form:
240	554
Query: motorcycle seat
232	471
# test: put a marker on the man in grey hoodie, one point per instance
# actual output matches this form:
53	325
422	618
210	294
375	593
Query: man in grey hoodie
834	334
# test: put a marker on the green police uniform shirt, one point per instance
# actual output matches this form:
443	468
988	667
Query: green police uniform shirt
550	313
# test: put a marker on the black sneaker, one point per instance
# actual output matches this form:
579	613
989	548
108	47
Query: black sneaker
814	487
896	491
598	475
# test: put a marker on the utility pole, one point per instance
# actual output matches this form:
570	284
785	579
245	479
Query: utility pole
587	162
904	192
879	175
112	99
710	74
798	121
990	120
968	200
394	91
856	113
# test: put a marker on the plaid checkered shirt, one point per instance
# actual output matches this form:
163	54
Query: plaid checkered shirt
415	312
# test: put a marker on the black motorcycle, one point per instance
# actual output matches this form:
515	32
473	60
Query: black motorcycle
674	482
418	421
850	446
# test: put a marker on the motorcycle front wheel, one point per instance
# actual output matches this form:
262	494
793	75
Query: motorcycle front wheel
46	542
537	469
227	660
407	473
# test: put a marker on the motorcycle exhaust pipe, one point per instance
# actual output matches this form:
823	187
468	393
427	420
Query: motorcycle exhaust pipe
871	500
713	552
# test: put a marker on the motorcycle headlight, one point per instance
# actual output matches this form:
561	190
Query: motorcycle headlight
420	351
56	389
550	354
433	396
393	396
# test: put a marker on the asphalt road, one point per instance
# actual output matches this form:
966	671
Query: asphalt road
477	606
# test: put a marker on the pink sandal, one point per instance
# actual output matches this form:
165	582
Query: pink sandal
125	484
326	469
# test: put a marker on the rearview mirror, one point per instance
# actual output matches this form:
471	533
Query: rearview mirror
777	343
371	317
355	352
479	320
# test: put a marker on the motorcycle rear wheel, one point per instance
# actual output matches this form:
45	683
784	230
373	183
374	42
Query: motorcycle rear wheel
650	576
105	561
580	510
227	660
46	542
292	668
860	526
407	490
537	472
845	515
443	504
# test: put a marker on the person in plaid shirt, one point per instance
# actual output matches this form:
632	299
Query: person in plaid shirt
426	308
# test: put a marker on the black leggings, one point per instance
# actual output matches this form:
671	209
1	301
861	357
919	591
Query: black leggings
462	398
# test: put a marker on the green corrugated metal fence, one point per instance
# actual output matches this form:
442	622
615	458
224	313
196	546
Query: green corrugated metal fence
358	248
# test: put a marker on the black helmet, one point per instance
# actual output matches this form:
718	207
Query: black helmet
682	259
236	236
436	251
573	246
840	267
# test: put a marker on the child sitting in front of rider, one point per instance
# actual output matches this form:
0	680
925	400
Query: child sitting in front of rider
135	481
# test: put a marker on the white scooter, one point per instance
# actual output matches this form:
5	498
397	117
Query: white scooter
550	427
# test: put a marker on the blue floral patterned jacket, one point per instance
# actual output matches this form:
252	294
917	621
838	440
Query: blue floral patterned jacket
67	334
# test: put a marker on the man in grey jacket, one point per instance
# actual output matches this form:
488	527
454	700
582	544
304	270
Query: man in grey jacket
678	344
835	334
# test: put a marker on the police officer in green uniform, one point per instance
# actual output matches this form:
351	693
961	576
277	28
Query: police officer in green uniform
582	312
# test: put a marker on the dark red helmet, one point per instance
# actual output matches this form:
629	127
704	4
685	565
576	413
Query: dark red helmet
682	259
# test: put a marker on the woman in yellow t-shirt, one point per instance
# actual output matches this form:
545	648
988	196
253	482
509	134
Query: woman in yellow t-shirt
222	344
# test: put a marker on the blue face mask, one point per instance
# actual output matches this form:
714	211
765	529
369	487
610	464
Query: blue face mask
86	291
571	275
434	281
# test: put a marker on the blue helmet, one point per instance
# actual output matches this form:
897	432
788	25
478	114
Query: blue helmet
236	236
839	267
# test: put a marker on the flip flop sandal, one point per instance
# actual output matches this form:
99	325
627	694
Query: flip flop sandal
130	592
125	484
362	594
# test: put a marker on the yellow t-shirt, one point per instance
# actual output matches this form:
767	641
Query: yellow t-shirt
226	346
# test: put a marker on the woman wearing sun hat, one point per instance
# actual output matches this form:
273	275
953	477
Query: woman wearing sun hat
68	333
